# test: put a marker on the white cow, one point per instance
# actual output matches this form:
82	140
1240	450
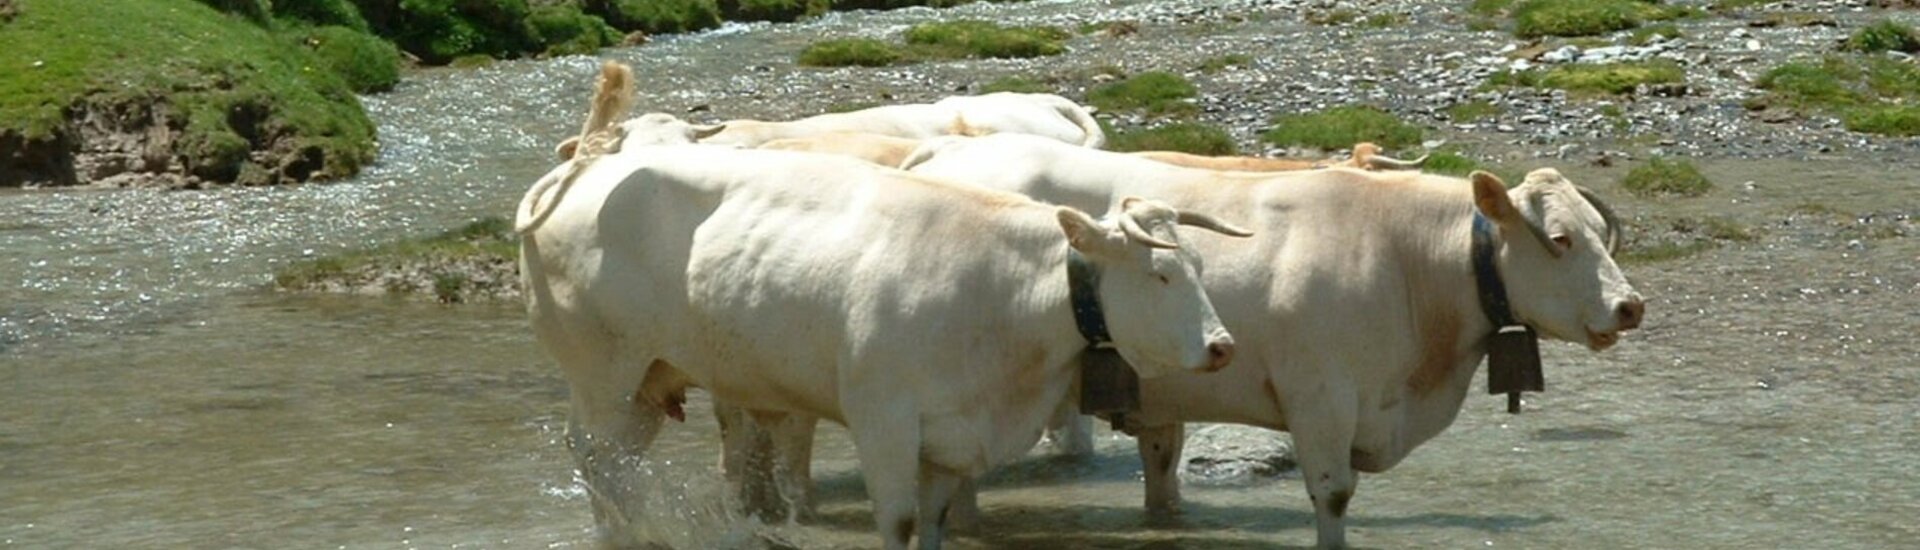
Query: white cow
879	149
931	318
1045	115
1355	308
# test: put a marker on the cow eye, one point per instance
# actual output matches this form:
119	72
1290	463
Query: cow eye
1164	280
1565	242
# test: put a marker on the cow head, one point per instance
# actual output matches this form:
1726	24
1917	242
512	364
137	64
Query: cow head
1557	258
647	129
1159	316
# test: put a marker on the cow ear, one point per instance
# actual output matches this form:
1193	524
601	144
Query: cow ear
1084	233
1490	196
707	131
566	148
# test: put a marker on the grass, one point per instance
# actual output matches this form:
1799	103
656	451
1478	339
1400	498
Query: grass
1490	8
1884	35
1612	78
985	39
490	239
1473	111
1222	62
1019	84
1886	120
1871	94
367	63
1341	127
936	41
1156	92
1186	137
1659	176
211	69
1537	18
1594	79
772	10
1449	163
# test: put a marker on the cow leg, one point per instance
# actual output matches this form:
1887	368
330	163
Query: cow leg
937	486
963	510
746	461
1160	448
608	431
1070	431
886	437
1323	441
792	437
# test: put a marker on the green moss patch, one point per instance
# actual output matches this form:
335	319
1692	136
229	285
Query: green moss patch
1884	36
1646	35
1659	176
1597	79
935	41
985	39
772	10
1473	111
1157	92
1536	18
478	259
650	16
1341	127
1872	94
227	87
1185	137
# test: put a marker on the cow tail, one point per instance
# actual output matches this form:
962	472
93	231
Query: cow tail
926	150
612	99
1095	138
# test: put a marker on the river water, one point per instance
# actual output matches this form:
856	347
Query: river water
155	394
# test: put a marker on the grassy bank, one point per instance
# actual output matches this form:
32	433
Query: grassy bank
473	261
934	41
227	100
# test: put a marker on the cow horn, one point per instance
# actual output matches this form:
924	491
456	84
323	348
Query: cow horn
1383	162
1614	231
1211	223
1133	229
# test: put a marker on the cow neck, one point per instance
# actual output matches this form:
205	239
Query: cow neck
1486	276
1083	290
1513	350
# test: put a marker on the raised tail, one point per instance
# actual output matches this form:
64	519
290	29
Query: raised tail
1082	117
612	99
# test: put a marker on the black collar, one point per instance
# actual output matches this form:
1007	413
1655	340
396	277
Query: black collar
1493	291
1083	288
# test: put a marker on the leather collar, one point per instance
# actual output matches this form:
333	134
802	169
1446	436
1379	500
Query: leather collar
1083	288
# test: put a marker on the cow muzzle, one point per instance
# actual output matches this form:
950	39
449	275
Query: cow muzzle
1219	354
1626	316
